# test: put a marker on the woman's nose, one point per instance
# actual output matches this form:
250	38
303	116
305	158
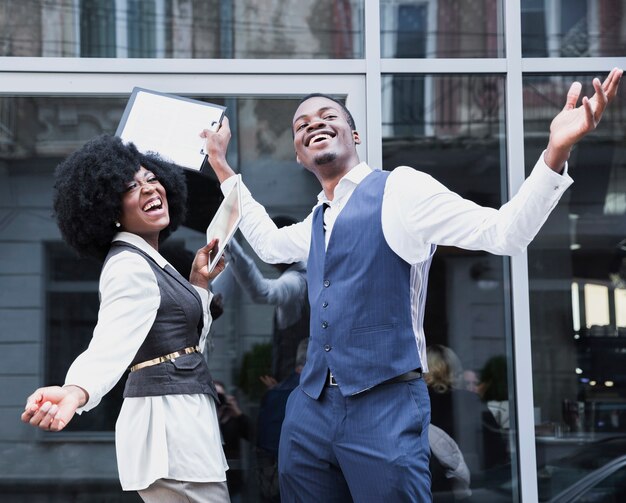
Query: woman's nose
147	186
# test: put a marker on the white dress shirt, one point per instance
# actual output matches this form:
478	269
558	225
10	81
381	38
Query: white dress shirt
170	436
418	213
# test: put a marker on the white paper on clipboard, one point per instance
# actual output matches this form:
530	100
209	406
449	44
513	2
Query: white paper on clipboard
169	125
225	222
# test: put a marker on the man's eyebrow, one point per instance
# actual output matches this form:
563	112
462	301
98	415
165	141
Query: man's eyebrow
320	110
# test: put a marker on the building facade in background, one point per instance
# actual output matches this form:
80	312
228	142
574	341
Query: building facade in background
463	90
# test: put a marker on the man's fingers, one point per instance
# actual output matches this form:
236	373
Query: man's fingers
589	113
223	128
611	83
572	96
600	96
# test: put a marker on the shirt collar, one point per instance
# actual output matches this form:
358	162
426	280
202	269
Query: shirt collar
351	179
135	240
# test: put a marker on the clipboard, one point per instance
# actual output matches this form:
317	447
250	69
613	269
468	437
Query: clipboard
169	126
225	222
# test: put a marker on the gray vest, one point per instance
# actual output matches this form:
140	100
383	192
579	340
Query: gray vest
177	325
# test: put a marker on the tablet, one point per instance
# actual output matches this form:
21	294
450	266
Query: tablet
225	222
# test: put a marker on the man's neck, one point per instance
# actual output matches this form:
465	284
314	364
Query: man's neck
329	177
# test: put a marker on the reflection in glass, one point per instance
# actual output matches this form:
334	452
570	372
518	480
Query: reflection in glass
315	29
576	267
620	308
53	299
441	29
596	305
573	28
452	128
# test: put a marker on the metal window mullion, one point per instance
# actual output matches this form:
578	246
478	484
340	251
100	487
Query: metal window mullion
527	464
444	65
373	85
572	65
182	66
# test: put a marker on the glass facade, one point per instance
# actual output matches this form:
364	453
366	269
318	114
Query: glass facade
573	28
452	127
324	29
576	274
533	343
441	29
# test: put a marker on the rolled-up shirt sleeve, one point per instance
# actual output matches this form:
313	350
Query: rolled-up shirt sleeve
129	300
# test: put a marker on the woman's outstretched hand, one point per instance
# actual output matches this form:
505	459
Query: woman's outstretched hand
53	407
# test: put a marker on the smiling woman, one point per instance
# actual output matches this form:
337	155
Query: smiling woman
144	207
113	202
91	184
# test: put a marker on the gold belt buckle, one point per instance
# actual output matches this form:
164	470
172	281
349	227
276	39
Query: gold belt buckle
165	358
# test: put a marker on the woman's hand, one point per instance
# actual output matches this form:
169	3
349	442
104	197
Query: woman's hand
53	407
200	275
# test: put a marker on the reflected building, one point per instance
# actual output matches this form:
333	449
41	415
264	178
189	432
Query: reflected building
464	91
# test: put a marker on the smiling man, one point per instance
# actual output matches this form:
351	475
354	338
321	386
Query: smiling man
357	426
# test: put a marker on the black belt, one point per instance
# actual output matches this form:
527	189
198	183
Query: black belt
407	376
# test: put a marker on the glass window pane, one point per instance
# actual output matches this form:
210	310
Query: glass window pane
596	305
306	29
53	297
578	371
610	489
441	29
620	307
452	128
97	29
573	28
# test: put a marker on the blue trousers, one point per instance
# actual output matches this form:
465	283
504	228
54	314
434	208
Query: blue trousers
370	447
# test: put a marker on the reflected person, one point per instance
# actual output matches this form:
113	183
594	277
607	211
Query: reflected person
287	292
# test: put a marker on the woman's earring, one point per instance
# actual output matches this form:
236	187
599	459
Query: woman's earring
117	224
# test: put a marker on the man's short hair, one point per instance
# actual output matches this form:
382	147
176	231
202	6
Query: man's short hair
346	112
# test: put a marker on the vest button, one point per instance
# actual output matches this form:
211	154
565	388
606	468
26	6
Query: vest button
324	324
325	304
327	347
326	283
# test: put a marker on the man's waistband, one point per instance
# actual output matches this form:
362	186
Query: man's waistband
407	376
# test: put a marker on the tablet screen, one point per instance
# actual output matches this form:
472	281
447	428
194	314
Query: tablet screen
225	222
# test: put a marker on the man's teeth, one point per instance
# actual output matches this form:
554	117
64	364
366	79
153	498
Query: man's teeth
152	204
320	137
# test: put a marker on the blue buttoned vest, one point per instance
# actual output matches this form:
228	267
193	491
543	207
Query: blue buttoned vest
359	291
177	325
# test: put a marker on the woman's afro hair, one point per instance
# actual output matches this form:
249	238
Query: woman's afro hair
88	190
